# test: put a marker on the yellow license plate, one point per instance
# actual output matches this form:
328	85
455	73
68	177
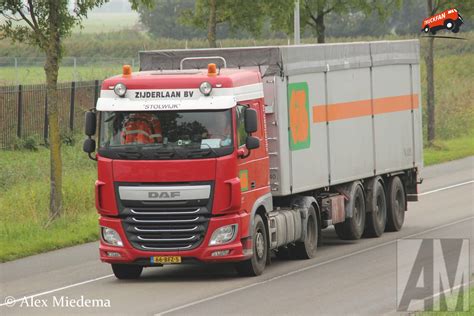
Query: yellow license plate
166	259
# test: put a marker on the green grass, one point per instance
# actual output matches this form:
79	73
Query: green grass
453	300
24	182
447	150
35	74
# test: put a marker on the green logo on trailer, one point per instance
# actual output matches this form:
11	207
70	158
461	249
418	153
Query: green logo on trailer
298	112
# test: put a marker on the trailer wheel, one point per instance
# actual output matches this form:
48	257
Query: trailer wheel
256	264
353	227
376	217
307	249
396	205
126	271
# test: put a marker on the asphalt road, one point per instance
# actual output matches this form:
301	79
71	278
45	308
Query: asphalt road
346	277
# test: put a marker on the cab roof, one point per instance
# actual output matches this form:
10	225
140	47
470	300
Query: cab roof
180	79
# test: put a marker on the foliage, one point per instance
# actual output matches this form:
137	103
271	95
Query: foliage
314	12
162	20
237	14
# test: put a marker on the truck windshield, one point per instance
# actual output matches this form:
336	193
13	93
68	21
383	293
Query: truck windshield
165	134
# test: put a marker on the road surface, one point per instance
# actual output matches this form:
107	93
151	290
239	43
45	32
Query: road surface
346	277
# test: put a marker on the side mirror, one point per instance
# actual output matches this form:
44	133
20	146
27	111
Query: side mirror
89	145
251	121
252	142
91	121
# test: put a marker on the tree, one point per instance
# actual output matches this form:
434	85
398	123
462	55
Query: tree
314	12
466	8
238	14
45	23
163	19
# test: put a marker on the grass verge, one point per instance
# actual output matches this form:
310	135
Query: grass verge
451	149
451	301
24	182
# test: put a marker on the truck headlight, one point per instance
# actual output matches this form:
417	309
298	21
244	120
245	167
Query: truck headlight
120	89
111	237
205	88
223	235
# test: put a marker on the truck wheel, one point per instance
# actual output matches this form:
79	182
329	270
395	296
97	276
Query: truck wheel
307	249
426	29
353	227
396	205
127	272
376	217
449	24
255	265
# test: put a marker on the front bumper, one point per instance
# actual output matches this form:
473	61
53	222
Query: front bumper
131	255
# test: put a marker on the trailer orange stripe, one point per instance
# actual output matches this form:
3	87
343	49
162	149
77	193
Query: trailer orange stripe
346	110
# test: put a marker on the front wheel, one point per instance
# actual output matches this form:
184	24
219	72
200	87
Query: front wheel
256	264
127	272
426	29
449	24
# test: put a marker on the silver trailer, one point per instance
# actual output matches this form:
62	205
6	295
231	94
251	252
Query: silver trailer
344	132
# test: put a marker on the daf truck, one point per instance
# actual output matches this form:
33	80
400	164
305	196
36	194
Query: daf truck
242	154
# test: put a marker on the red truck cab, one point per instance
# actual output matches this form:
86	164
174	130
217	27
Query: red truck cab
184	195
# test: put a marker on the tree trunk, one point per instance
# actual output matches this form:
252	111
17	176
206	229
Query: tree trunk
211	24
53	51
430	96
320	28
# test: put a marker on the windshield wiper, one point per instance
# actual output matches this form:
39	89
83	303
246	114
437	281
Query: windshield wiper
201	151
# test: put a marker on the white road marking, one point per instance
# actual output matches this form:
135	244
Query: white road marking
55	290
446	188
308	268
262	282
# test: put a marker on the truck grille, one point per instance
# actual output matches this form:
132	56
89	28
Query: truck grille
165	226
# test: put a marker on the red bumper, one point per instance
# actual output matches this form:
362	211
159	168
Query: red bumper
129	254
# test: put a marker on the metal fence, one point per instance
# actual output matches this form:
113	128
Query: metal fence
23	109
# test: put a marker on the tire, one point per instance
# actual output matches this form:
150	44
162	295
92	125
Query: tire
456	29
307	249
433	32
256	264
376	204
353	227
127	272
449	24
426	29
396	205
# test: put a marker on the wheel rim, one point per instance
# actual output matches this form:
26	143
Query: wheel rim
311	233
260	245
398	205
357	211
380	206
449	25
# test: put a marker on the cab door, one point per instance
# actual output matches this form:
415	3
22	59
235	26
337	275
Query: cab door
253	166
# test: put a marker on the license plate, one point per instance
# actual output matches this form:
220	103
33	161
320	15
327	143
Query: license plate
166	259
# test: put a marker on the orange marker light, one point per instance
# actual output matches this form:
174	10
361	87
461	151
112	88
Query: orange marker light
211	70
126	70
